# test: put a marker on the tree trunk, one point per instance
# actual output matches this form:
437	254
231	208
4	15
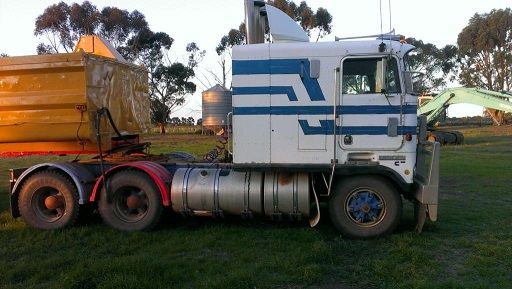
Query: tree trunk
161	127
224	73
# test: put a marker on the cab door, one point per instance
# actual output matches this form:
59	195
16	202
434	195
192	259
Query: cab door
371	110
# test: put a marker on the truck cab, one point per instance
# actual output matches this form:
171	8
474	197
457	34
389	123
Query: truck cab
343	108
312	104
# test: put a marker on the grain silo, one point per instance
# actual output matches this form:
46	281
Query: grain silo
216	106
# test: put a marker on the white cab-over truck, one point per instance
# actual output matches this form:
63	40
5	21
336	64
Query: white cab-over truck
332	122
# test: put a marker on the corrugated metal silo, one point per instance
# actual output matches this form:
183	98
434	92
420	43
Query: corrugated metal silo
216	106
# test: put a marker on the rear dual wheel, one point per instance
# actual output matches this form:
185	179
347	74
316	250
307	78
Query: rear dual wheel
365	207
131	202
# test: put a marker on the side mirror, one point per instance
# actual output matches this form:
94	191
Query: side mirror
408	82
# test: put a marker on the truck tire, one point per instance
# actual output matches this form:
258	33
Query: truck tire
133	202
365	207
48	200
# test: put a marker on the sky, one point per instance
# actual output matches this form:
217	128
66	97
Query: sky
206	21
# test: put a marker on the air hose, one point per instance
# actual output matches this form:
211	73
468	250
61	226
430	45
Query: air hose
99	114
213	155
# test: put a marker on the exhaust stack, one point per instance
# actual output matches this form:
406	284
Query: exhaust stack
255	21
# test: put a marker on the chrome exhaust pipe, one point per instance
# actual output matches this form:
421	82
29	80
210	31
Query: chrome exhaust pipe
255	21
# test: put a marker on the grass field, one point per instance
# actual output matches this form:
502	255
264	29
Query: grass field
469	247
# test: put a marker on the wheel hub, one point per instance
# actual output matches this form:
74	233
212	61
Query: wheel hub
133	202
365	207
130	204
53	202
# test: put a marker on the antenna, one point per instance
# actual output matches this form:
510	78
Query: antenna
390	47
380	10
391	35
389	4
382	46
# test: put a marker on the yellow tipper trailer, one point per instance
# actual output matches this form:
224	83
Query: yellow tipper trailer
48	103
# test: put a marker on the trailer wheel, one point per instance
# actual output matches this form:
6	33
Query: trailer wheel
133	202
365	207
48	200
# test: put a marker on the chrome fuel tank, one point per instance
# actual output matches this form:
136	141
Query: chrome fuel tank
219	191
215	192
286	193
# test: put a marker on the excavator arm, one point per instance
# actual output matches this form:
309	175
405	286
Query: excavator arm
486	98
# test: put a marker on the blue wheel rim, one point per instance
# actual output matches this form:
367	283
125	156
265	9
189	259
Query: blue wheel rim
365	207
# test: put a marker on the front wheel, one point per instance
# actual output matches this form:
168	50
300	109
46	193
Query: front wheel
132	203
365	207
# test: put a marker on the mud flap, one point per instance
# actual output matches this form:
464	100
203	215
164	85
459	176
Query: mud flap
426	193
420	213
432	212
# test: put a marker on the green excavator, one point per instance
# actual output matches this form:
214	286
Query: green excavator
434	107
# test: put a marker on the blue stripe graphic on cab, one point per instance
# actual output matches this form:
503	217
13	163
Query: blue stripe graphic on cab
288	90
327	128
281	66
325	110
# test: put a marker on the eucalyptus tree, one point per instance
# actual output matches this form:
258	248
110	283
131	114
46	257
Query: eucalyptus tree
485	52
438	66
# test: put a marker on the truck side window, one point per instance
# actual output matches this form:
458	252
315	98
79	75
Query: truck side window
361	76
